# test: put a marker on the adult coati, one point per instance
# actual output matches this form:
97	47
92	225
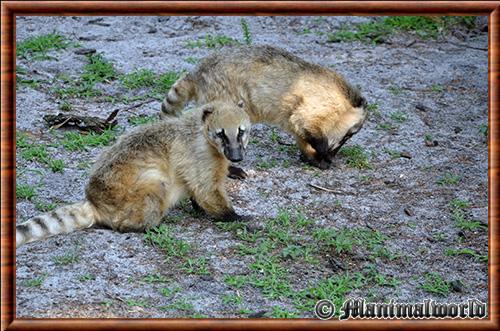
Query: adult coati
147	171
313	103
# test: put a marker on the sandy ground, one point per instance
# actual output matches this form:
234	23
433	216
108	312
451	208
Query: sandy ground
399	197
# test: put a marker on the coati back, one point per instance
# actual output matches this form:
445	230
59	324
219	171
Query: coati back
313	103
146	172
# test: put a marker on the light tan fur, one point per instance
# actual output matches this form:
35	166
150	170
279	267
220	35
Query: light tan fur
313	103
146	172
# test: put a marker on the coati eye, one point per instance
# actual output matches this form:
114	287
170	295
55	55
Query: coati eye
220	134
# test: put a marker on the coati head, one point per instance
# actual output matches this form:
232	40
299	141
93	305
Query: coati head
328	138
227	128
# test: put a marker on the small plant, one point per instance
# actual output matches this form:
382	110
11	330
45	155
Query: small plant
162	238
483	130
66	106
35	282
236	281
166	80
466	251
437	88
398	116
141	119
448	179
395	90
26	192
435	284
73	141
210	41
66	259
279	312
231	299
265	165
98	70
356	157
137	303
86	277
44	206
56	165
246	31
155	278
169	292
139	78
191	60
34	152
196	266
37	47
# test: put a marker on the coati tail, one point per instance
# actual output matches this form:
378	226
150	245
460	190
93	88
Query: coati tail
65	219
178	95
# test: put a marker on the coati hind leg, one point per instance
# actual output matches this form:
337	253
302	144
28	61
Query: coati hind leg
178	95
141	218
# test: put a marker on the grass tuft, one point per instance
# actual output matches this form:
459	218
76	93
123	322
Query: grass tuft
36	47
356	157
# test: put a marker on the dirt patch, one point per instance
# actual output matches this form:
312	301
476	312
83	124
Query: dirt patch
403	227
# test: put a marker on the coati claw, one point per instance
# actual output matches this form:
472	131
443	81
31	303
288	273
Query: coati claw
236	173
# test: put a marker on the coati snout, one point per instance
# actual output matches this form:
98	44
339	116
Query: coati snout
228	133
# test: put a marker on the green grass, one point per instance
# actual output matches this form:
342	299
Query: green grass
163	238
191	60
137	303
279	312
138	79
34	152
86	277
483	130
437	88
396	90
247	37
195	266
169	292
386	126
377	30
266	164
98	70
37	47
466	252
166	80
155	278
435	284
356	157
398	116
212	42
56	165
74	141
235	281
141	119
458	207
66	106
232	299
35	282
25	192
66	259
448	179
44	206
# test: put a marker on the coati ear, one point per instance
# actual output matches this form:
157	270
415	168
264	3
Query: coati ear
241	103
206	112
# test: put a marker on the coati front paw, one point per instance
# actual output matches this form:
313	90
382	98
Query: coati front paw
231	216
236	173
323	164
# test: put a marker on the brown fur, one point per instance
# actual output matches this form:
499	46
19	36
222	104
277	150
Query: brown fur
313	103
146	172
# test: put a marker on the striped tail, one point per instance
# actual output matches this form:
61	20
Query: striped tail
65	219
177	97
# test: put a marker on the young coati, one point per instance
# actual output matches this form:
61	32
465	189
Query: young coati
147	171
313	103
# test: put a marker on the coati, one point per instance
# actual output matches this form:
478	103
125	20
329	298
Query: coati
146	172
313	103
